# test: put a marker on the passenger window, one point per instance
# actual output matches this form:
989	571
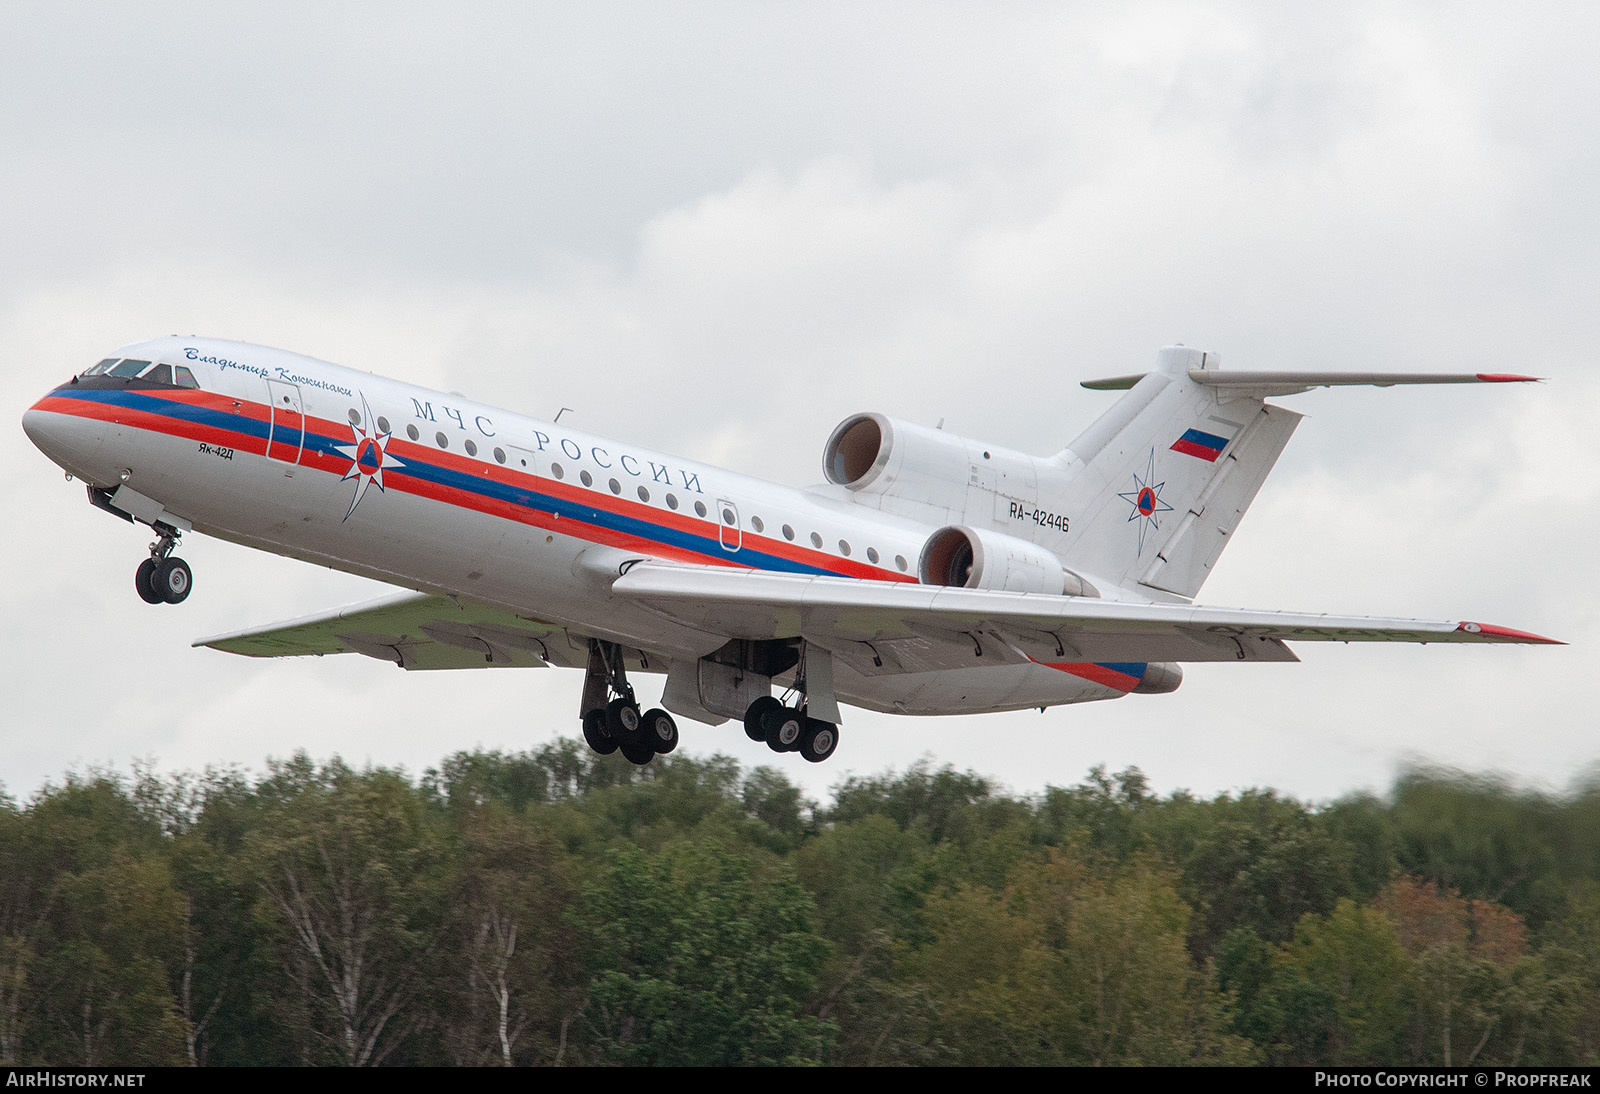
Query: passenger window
872	554
355	416
555	469
900	561
788	533
672	501
816	540
616	487
755	522
500	457
411	431
700	508
472	448
383	424
844	548
444	442
585	478
644	495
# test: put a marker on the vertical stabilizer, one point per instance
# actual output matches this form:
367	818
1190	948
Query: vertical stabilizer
1157	485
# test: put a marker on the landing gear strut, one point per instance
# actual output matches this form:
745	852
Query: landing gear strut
163	578
611	717
791	728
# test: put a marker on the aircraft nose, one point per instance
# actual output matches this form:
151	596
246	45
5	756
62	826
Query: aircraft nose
66	439
36	424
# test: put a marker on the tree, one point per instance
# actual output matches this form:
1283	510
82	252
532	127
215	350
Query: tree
1464	981
700	956
349	883
510	977
1340	983
1077	964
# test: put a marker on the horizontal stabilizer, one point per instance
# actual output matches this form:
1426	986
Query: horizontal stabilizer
1285	382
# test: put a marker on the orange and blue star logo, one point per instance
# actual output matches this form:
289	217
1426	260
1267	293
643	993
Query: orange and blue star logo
369	457
1145	498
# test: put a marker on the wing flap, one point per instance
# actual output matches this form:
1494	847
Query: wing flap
918	627
413	630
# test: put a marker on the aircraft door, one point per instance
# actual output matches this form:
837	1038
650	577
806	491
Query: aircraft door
287	431
729	534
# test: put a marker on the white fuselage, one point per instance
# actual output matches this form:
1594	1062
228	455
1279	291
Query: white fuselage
437	493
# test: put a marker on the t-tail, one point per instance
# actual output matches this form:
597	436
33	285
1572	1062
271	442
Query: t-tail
1159	483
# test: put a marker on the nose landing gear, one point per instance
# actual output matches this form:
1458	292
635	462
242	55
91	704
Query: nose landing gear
163	578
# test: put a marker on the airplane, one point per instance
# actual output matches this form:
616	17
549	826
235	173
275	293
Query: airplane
929	574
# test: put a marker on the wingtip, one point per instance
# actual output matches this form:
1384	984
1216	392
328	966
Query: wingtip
1509	378
1489	630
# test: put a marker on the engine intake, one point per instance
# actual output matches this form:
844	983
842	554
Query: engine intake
973	558
875	453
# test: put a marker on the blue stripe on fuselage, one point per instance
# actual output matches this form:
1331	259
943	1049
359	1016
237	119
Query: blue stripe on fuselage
509	493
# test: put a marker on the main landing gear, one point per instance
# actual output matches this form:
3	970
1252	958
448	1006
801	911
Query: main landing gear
611	718
163	578
792	728
789	729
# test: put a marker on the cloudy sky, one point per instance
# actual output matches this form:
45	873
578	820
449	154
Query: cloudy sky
717	229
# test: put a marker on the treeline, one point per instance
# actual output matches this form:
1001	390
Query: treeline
557	907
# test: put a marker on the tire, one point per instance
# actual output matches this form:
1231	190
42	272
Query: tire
173	580
144	582
754	713
819	740
784	728
638	753
594	732
623	722
660	731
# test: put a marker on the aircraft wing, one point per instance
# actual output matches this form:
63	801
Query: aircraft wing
900	627
415	631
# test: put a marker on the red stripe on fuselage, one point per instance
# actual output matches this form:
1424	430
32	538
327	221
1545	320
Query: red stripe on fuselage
415	452
153	423
1097	674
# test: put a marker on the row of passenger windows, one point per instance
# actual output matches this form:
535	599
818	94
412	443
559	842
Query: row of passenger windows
127	368
559	472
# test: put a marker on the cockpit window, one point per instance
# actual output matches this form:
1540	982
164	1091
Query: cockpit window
164	374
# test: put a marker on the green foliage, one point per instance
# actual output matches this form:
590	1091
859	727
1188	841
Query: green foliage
350	896
557	907
1478	836
1072	964
701	958
1339	985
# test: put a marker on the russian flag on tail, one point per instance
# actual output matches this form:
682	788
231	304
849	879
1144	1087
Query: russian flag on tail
1198	443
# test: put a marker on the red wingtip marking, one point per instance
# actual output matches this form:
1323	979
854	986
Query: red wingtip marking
1507	378
1491	631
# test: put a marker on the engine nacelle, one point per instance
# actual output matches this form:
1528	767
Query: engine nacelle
974	558
877	454
1160	678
